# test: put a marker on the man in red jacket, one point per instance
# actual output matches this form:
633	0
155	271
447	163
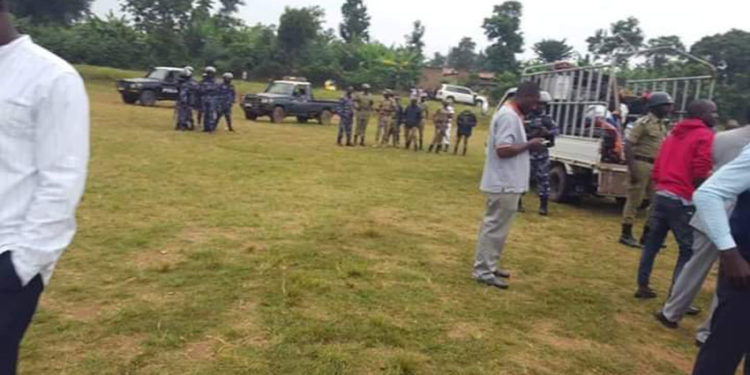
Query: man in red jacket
684	162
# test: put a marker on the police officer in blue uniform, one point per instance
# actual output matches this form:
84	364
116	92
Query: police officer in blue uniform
209	92
541	125
346	117
183	108
227	96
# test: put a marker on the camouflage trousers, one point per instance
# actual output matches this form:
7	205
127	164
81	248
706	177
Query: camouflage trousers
393	132
184	117
210	115
345	126
383	123
540	166
362	122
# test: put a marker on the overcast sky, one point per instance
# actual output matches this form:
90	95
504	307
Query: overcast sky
574	20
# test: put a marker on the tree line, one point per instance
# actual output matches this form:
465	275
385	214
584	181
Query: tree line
209	32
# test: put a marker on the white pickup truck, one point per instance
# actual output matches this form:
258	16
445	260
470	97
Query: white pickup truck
579	95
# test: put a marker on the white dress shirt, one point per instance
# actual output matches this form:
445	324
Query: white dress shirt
44	152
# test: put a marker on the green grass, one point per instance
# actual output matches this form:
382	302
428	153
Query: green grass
271	251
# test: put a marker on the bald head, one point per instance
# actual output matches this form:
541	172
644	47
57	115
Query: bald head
704	110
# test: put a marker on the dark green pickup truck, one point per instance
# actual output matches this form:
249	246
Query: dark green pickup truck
284	99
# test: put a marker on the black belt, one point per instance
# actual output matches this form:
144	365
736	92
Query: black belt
644	159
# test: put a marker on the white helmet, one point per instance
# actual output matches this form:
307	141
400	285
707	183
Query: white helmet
545	97
228	75
596	111
209	69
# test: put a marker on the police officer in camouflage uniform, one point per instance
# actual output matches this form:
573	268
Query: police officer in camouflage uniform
183	108
346	117
394	130
227	97
425	116
441	119
209	91
363	104
641	148
385	112
541	125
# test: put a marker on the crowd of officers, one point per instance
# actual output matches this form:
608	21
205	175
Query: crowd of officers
393	116
212	100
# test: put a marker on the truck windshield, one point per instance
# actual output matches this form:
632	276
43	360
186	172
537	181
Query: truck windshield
158	74
280	89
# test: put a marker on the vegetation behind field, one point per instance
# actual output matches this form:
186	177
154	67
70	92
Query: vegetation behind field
272	251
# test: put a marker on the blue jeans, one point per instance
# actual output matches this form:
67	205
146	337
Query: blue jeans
667	214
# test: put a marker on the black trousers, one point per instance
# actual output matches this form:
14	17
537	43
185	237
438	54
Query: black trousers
667	214
17	306
730	333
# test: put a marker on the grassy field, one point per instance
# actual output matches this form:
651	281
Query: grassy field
272	251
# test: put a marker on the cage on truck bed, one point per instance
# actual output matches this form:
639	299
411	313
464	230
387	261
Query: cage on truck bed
584	101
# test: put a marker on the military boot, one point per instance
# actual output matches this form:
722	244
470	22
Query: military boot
356	139
349	141
362	141
543	207
430	149
338	140
626	238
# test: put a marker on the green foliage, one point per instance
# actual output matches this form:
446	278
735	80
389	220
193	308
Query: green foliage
624	36
356	23
550	50
415	40
438	60
464	55
730	52
298	28
503	29
659	59
51	11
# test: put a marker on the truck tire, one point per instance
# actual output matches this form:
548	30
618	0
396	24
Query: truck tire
478	103
560	185
302	119
325	117
129	99
147	98
451	100
278	115
251	116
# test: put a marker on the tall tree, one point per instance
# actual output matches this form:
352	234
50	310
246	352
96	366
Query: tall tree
356	22
163	22
298	28
464	55
659	59
51	11
503	29
438	60
550	50
612	45
415	40
730	53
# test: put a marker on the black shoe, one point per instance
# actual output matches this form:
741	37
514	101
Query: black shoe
629	241
698	343
494	283
645	292
665	322
693	311
502	273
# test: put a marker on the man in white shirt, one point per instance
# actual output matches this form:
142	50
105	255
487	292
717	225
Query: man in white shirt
44	151
505	178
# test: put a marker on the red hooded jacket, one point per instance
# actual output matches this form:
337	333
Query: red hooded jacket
684	157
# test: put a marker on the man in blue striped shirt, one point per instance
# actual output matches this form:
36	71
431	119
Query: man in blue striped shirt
730	329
